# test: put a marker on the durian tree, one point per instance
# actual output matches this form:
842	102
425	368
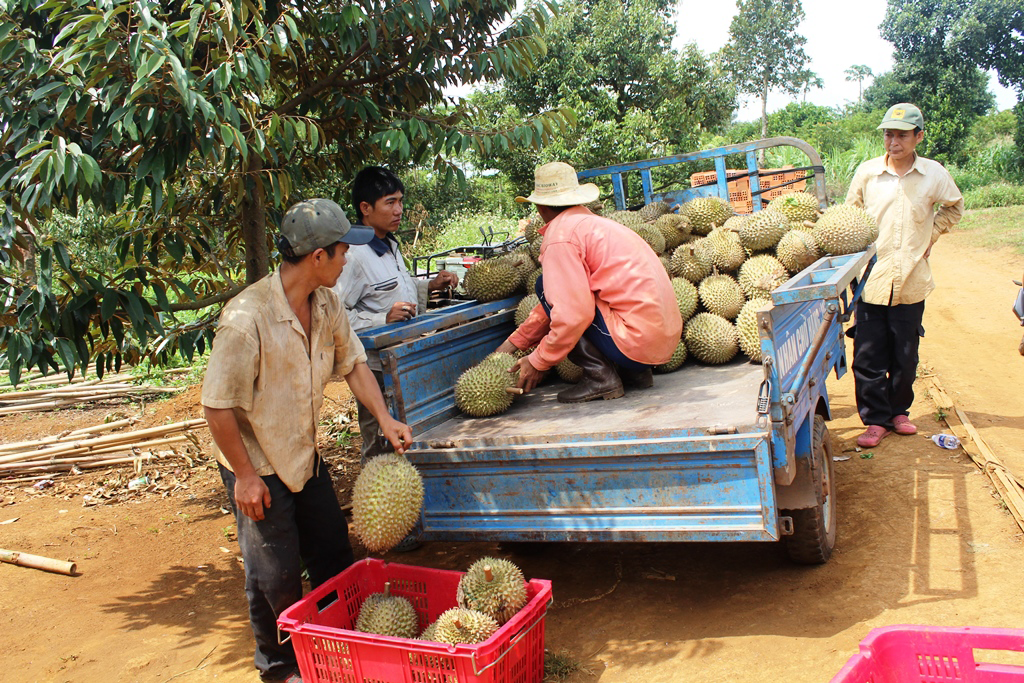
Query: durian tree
960	35
765	52
188	126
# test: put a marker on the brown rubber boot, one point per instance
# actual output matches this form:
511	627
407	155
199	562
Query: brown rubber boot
637	379
600	380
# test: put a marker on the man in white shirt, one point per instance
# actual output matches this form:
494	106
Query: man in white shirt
900	190
376	287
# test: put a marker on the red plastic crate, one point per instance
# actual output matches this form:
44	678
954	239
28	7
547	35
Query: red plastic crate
933	654
329	652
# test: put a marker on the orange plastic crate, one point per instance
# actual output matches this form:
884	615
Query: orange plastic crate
328	651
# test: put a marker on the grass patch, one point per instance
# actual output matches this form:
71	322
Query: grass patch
558	666
996	194
995	228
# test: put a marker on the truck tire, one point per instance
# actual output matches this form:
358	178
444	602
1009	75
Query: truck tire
814	529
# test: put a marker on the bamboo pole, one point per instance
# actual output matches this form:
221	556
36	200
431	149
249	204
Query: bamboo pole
60	403
105	427
37	562
87	464
64	436
88	444
93	455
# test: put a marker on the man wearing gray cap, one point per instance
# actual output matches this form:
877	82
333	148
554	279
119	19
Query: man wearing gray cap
277	345
900	190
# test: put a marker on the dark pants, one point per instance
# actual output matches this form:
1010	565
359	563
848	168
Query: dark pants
597	333
307	525
885	346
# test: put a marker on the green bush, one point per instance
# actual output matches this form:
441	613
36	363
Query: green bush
997	194
469	228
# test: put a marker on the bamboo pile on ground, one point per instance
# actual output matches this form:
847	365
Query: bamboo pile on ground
91	448
73	393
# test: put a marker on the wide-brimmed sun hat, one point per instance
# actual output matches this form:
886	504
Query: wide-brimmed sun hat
903	116
555	184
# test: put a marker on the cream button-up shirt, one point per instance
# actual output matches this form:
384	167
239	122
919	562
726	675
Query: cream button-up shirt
908	224
264	368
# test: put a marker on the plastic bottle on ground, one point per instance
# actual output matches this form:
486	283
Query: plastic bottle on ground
947	441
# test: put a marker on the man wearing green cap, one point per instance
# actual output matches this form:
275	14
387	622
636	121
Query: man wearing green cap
900	190
277	345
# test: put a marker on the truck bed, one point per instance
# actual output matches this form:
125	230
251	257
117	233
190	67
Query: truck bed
695	397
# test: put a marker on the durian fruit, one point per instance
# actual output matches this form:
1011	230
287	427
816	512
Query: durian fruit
526	305
797	250
746	326
653	237
493	586
711	338
674	228
686	296
760	274
651	212
481	390
704	213
386	501
721	295
428	633
596	206
568	371
463	626
492	279
675	362
522	264
763	230
666	263
631	219
692	261
531	281
727	253
535	245
844	229
735	223
797	206
533	227
388	615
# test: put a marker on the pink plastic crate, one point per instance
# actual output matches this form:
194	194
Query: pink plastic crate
933	654
329	652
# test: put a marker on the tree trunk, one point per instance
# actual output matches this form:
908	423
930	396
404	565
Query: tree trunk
254	222
764	117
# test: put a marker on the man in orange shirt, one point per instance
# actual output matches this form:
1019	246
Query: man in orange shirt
606	301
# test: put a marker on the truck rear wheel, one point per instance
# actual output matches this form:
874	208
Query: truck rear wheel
814	529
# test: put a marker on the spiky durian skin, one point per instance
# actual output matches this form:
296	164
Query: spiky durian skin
388	615
692	261
674	228
386	501
746	328
760	274
492	279
797	250
463	626
763	230
675	361
526	305
711	338
721	295
727	253
651	212
655	240
568	371
428	633
500	596
533	227
686	296
480	390
797	206
704	213
535	245
631	219
844	229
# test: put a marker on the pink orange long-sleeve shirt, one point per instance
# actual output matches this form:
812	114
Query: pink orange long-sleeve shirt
592	263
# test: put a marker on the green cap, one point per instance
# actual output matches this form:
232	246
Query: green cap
315	223
903	116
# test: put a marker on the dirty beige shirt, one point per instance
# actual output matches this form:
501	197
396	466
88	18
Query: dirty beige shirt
907	225
260	367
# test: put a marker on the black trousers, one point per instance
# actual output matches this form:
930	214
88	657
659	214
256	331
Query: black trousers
885	355
309	525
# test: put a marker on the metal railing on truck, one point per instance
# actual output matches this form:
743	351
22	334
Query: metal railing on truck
719	188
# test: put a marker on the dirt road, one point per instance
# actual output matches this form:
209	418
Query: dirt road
921	540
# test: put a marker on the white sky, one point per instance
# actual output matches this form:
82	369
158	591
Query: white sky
839	35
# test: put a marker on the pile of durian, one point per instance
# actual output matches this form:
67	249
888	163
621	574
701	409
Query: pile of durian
723	267
489	594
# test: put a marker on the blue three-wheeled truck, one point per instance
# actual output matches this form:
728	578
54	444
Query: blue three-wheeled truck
735	452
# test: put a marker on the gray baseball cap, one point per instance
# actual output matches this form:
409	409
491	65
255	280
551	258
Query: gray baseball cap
316	223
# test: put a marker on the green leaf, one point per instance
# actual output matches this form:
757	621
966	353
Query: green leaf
110	303
42	92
